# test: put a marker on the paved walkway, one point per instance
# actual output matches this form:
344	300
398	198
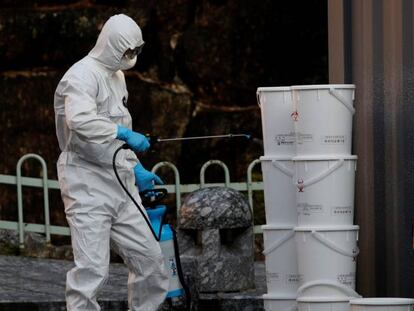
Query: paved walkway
31	279
37	281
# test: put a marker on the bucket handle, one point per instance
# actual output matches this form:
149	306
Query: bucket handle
333	246
345	289
258	99
282	168
314	180
278	243
339	97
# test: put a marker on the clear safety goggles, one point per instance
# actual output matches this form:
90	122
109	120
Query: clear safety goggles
131	53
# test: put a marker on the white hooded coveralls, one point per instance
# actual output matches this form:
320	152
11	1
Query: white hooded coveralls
89	104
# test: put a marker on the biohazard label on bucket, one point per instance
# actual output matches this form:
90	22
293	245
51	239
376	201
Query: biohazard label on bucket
293	278
333	139
341	210
347	279
285	139
272	277
304	138
309	209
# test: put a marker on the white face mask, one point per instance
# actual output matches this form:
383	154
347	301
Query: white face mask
127	63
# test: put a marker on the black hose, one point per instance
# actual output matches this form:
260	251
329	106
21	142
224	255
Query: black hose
161	225
129	194
180	271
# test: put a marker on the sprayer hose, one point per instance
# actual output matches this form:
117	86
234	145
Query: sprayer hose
129	194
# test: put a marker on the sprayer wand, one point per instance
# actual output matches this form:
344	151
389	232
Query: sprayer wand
155	139
161	140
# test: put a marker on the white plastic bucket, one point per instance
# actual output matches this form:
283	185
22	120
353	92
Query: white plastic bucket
273	302
324	118
327	260
382	304
281	260
323	304
325	190
277	124
279	191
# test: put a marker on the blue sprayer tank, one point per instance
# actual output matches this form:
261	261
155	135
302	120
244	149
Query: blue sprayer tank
167	246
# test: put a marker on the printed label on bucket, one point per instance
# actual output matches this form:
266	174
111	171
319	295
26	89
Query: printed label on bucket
341	210
333	139
347	279
304	138
294	278
272	277
307	209
285	139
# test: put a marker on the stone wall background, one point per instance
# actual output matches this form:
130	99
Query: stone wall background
197	75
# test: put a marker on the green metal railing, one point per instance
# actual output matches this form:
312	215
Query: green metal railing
249	186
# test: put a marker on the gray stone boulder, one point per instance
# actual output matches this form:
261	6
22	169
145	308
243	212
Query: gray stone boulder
216	240
215	208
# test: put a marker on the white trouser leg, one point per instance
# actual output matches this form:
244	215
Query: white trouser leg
91	253
148	280
90	196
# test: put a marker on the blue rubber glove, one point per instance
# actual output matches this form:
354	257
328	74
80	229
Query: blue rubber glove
145	179
137	141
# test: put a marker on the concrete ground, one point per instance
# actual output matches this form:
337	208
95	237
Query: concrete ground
39	284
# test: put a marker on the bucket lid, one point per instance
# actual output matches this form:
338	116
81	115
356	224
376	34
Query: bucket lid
276	227
382	301
279	297
325	157
276	158
323	86
324	299
273	89
327	228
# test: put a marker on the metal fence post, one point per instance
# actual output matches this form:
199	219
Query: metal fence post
217	162
177	181
20	196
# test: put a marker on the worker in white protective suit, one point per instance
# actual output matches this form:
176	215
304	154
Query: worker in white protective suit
92	121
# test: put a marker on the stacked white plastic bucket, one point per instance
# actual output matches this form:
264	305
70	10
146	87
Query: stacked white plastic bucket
309	174
326	238
280	198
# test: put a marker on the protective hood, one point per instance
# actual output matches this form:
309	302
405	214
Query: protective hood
119	34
